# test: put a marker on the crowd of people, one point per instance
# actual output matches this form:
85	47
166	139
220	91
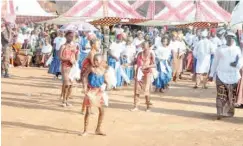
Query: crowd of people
149	58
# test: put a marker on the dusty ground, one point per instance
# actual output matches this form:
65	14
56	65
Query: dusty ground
32	116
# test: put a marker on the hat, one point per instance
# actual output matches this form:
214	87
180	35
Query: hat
204	33
213	30
230	34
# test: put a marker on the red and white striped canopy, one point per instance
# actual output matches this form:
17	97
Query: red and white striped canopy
101	9
184	11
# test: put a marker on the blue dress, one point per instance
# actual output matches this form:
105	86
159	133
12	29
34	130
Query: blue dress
96	81
164	76
82	56
128	70
112	63
55	66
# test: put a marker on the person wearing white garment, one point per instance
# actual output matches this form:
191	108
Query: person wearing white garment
114	55
193	59
178	49
46	52
138	41
163	58
189	37
56	63
216	43
226	67
202	52
221	37
128	55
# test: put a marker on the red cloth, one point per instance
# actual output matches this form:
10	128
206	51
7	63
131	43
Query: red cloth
68	53
98	94
189	58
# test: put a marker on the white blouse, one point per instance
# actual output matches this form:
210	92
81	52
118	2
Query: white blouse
116	49
221	64
129	51
163	53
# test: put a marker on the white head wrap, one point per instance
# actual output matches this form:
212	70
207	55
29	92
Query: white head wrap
229	33
204	33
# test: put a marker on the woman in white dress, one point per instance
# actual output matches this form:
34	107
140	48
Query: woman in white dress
163	61
127	59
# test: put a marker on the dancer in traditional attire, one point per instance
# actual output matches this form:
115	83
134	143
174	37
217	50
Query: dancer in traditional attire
189	56
127	59
114	53
226	67
178	49
87	65
163	59
143	72
55	67
94	96
202	52
68	56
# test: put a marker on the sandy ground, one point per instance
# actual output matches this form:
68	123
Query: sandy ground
32	116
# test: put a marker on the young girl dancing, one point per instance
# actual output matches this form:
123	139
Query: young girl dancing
94	96
87	64
68	57
143	73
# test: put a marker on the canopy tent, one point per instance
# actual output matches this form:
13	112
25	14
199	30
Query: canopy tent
101	9
107	21
109	12
31	12
8	11
237	14
185	11
66	20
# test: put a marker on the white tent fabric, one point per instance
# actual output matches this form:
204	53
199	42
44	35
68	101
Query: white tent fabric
237	14
159	23
29	8
66	20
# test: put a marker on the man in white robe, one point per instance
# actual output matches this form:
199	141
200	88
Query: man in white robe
202	52
226	68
